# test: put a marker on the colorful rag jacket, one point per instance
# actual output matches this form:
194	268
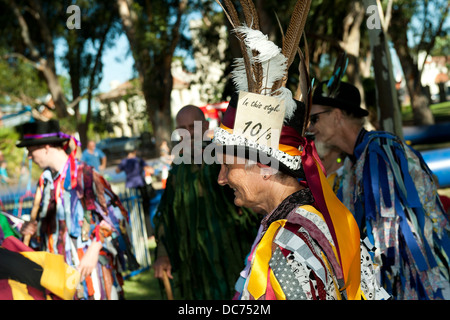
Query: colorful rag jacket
78	207
294	258
390	190
205	236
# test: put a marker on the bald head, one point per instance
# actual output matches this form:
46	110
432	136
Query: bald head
191	111
188	115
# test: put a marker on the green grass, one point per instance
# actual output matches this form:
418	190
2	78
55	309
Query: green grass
143	286
441	112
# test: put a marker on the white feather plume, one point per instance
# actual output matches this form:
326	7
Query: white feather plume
286	95
273	70
256	40
239	75
274	65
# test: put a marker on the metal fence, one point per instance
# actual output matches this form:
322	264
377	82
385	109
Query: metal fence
132	201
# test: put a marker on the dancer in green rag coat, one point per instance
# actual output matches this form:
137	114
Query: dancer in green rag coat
203	238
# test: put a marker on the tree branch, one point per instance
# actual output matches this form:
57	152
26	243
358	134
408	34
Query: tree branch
431	44
25	33
20	56
176	29
21	98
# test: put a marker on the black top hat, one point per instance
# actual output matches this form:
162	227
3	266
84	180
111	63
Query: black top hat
42	132
346	98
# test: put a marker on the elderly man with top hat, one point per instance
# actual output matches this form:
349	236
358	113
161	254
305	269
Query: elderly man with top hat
308	246
390	190
76	214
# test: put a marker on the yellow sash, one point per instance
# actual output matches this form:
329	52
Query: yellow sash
257	283
347	234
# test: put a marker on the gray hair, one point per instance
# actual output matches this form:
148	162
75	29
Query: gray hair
277	174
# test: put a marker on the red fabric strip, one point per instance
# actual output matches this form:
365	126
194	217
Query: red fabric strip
5	290
15	245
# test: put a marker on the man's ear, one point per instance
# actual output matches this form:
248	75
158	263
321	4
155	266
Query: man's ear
266	170
338	115
205	125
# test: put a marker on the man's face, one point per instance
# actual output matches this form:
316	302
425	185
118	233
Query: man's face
91	145
321	123
191	128
245	182
38	154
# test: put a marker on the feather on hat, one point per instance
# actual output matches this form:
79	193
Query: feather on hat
263	70
338	94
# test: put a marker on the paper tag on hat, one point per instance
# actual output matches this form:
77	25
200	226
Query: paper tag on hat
259	118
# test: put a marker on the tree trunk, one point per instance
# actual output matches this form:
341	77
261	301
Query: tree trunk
157	88
155	75
442	92
388	108
419	102
351	42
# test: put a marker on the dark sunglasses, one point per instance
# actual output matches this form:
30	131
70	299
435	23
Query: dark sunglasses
315	117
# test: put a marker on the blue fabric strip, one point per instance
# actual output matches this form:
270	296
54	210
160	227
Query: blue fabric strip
412	197
373	164
369	203
410	240
384	183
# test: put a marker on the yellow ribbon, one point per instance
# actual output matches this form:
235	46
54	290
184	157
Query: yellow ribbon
257	283
347	234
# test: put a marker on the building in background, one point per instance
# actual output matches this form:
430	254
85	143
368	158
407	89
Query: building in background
435	76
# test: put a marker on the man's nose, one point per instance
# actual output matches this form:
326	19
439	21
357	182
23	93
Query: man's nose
310	128
222	178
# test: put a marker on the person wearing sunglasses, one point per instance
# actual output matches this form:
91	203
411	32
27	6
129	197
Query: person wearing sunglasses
390	190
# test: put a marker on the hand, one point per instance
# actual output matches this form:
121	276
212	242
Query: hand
29	228
89	260
163	264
